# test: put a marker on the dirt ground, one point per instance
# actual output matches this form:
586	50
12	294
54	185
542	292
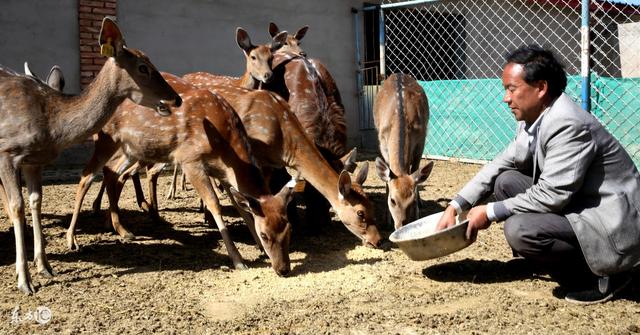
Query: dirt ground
176	278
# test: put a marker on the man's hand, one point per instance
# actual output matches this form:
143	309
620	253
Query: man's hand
477	220
448	218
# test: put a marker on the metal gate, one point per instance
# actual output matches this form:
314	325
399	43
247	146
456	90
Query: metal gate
456	49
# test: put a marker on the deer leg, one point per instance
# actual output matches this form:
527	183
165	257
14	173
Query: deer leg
153	173
198	178
114	187
248	220
171	194
137	186
143	204
33	177
14	205
104	150
81	191
183	181
98	200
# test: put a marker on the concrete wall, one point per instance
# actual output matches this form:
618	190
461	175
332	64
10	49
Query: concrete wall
41	32
199	35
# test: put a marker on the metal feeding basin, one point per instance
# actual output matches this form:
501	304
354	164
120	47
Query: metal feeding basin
419	241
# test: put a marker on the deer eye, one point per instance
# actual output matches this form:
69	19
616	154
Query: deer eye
143	69
253	57
264	237
393	202
360	214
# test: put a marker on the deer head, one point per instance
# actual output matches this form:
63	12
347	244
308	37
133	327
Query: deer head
259	58
272	225
292	43
402	191
355	210
137	75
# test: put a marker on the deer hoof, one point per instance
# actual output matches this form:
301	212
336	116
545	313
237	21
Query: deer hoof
27	288
47	273
241	266
72	244
128	237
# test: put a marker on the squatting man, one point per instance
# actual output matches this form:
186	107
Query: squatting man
565	187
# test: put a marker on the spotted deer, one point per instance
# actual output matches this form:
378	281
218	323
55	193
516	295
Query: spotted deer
278	140
38	122
258	61
401	116
207	139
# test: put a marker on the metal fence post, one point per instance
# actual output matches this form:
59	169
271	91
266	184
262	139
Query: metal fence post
359	83
382	45
585	57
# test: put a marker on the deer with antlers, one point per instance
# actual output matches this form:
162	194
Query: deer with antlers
39	122
278	140
401	116
207	139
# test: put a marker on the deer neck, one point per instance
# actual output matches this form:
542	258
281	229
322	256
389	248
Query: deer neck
316	171
247	81
78	117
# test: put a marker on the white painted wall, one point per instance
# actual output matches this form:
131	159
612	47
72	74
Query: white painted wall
44	33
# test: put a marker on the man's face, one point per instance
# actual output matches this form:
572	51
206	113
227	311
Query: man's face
525	100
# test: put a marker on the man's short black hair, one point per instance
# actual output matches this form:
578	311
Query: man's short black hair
540	64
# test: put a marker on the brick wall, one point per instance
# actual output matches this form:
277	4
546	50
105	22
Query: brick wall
90	15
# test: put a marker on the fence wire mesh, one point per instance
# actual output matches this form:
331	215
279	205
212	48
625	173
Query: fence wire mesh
456	50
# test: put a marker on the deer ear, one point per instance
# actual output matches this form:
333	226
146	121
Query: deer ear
362	174
286	192
243	40
301	32
273	29
422	174
278	41
349	160
344	185
55	79
383	170
111	39
247	202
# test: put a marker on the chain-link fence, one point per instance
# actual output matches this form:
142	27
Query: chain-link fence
456	50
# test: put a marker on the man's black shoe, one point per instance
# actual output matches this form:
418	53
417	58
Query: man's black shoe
607	288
